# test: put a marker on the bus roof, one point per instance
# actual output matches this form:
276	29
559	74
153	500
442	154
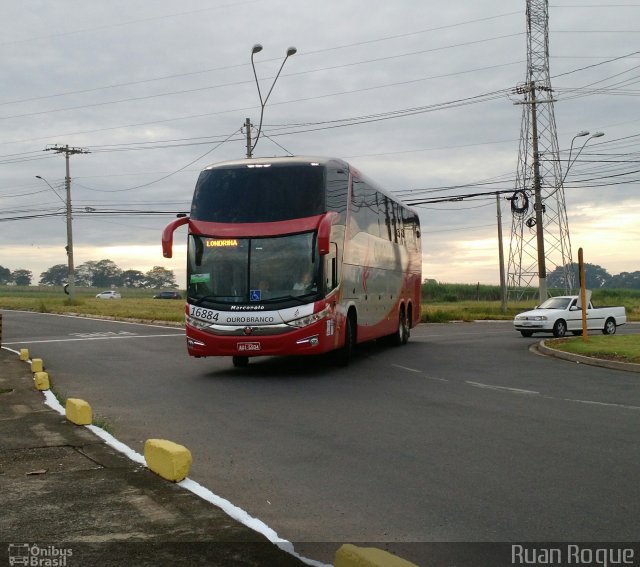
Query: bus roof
285	160
303	160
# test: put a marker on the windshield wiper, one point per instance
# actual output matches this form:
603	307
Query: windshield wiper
299	298
204	298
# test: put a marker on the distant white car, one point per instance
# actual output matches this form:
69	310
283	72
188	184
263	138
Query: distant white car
108	295
560	315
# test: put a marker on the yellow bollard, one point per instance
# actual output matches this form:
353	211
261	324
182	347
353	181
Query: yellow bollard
78	411
24	354
351	556
37	365
167	459
41	380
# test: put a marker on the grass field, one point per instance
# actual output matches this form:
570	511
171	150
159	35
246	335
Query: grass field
135	303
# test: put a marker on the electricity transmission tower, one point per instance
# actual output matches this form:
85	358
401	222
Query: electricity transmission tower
540	231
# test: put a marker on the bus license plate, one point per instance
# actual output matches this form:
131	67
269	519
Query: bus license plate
246	347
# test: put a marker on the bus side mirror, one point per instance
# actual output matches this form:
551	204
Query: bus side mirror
324	233
167	235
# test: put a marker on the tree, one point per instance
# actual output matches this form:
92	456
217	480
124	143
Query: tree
103	273
595	276
625	280
5	275
133	278
22	277
55	275
160	277
106	274
84	274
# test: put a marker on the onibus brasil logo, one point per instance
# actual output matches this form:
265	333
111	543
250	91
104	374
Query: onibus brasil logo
38	555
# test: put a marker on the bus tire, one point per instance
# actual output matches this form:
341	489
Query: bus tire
408	325
401	336
344	354
240	361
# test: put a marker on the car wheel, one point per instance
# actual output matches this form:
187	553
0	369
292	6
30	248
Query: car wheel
609	327
526	333
559	329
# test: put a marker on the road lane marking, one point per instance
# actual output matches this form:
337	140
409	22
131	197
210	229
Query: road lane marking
419	372
502	388
101	338
606	404
406	368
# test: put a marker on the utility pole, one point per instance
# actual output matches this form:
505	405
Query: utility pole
538	206
503	283
247	127
67	151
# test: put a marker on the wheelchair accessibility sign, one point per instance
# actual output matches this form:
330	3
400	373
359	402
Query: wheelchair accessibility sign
255	294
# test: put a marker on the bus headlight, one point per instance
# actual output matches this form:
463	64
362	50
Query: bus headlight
197	323
309	319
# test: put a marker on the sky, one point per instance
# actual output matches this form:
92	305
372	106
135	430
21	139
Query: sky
417	94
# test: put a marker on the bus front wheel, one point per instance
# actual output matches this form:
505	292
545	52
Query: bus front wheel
343	355
241	361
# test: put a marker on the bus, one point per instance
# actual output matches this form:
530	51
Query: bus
296	256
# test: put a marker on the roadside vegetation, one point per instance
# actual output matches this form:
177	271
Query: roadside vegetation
622	348
464	302
137	304
440	302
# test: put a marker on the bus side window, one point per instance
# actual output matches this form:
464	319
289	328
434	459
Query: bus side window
331	268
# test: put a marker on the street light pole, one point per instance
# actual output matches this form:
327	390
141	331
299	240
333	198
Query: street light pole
570	162
257	48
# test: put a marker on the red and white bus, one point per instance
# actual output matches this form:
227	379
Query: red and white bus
296	256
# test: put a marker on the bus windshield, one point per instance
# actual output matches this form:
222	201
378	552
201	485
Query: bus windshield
244	194
249	271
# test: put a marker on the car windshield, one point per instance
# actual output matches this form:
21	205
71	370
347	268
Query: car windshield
253	271
556	303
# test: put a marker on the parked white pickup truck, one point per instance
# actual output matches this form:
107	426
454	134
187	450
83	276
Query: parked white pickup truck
561	314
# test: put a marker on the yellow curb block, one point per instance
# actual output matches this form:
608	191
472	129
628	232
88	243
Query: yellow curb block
37	365
24	354
167	459
351	556
78	411
41	380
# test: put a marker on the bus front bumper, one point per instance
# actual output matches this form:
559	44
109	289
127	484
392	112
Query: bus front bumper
316	338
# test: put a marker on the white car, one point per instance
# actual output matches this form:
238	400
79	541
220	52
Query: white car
108	295
560	315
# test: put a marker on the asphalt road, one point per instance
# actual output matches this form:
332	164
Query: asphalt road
464	434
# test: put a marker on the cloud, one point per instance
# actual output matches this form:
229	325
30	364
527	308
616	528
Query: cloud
150	87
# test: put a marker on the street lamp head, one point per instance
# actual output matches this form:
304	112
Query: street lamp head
291	51
38	177
257	48
598	135
582	133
